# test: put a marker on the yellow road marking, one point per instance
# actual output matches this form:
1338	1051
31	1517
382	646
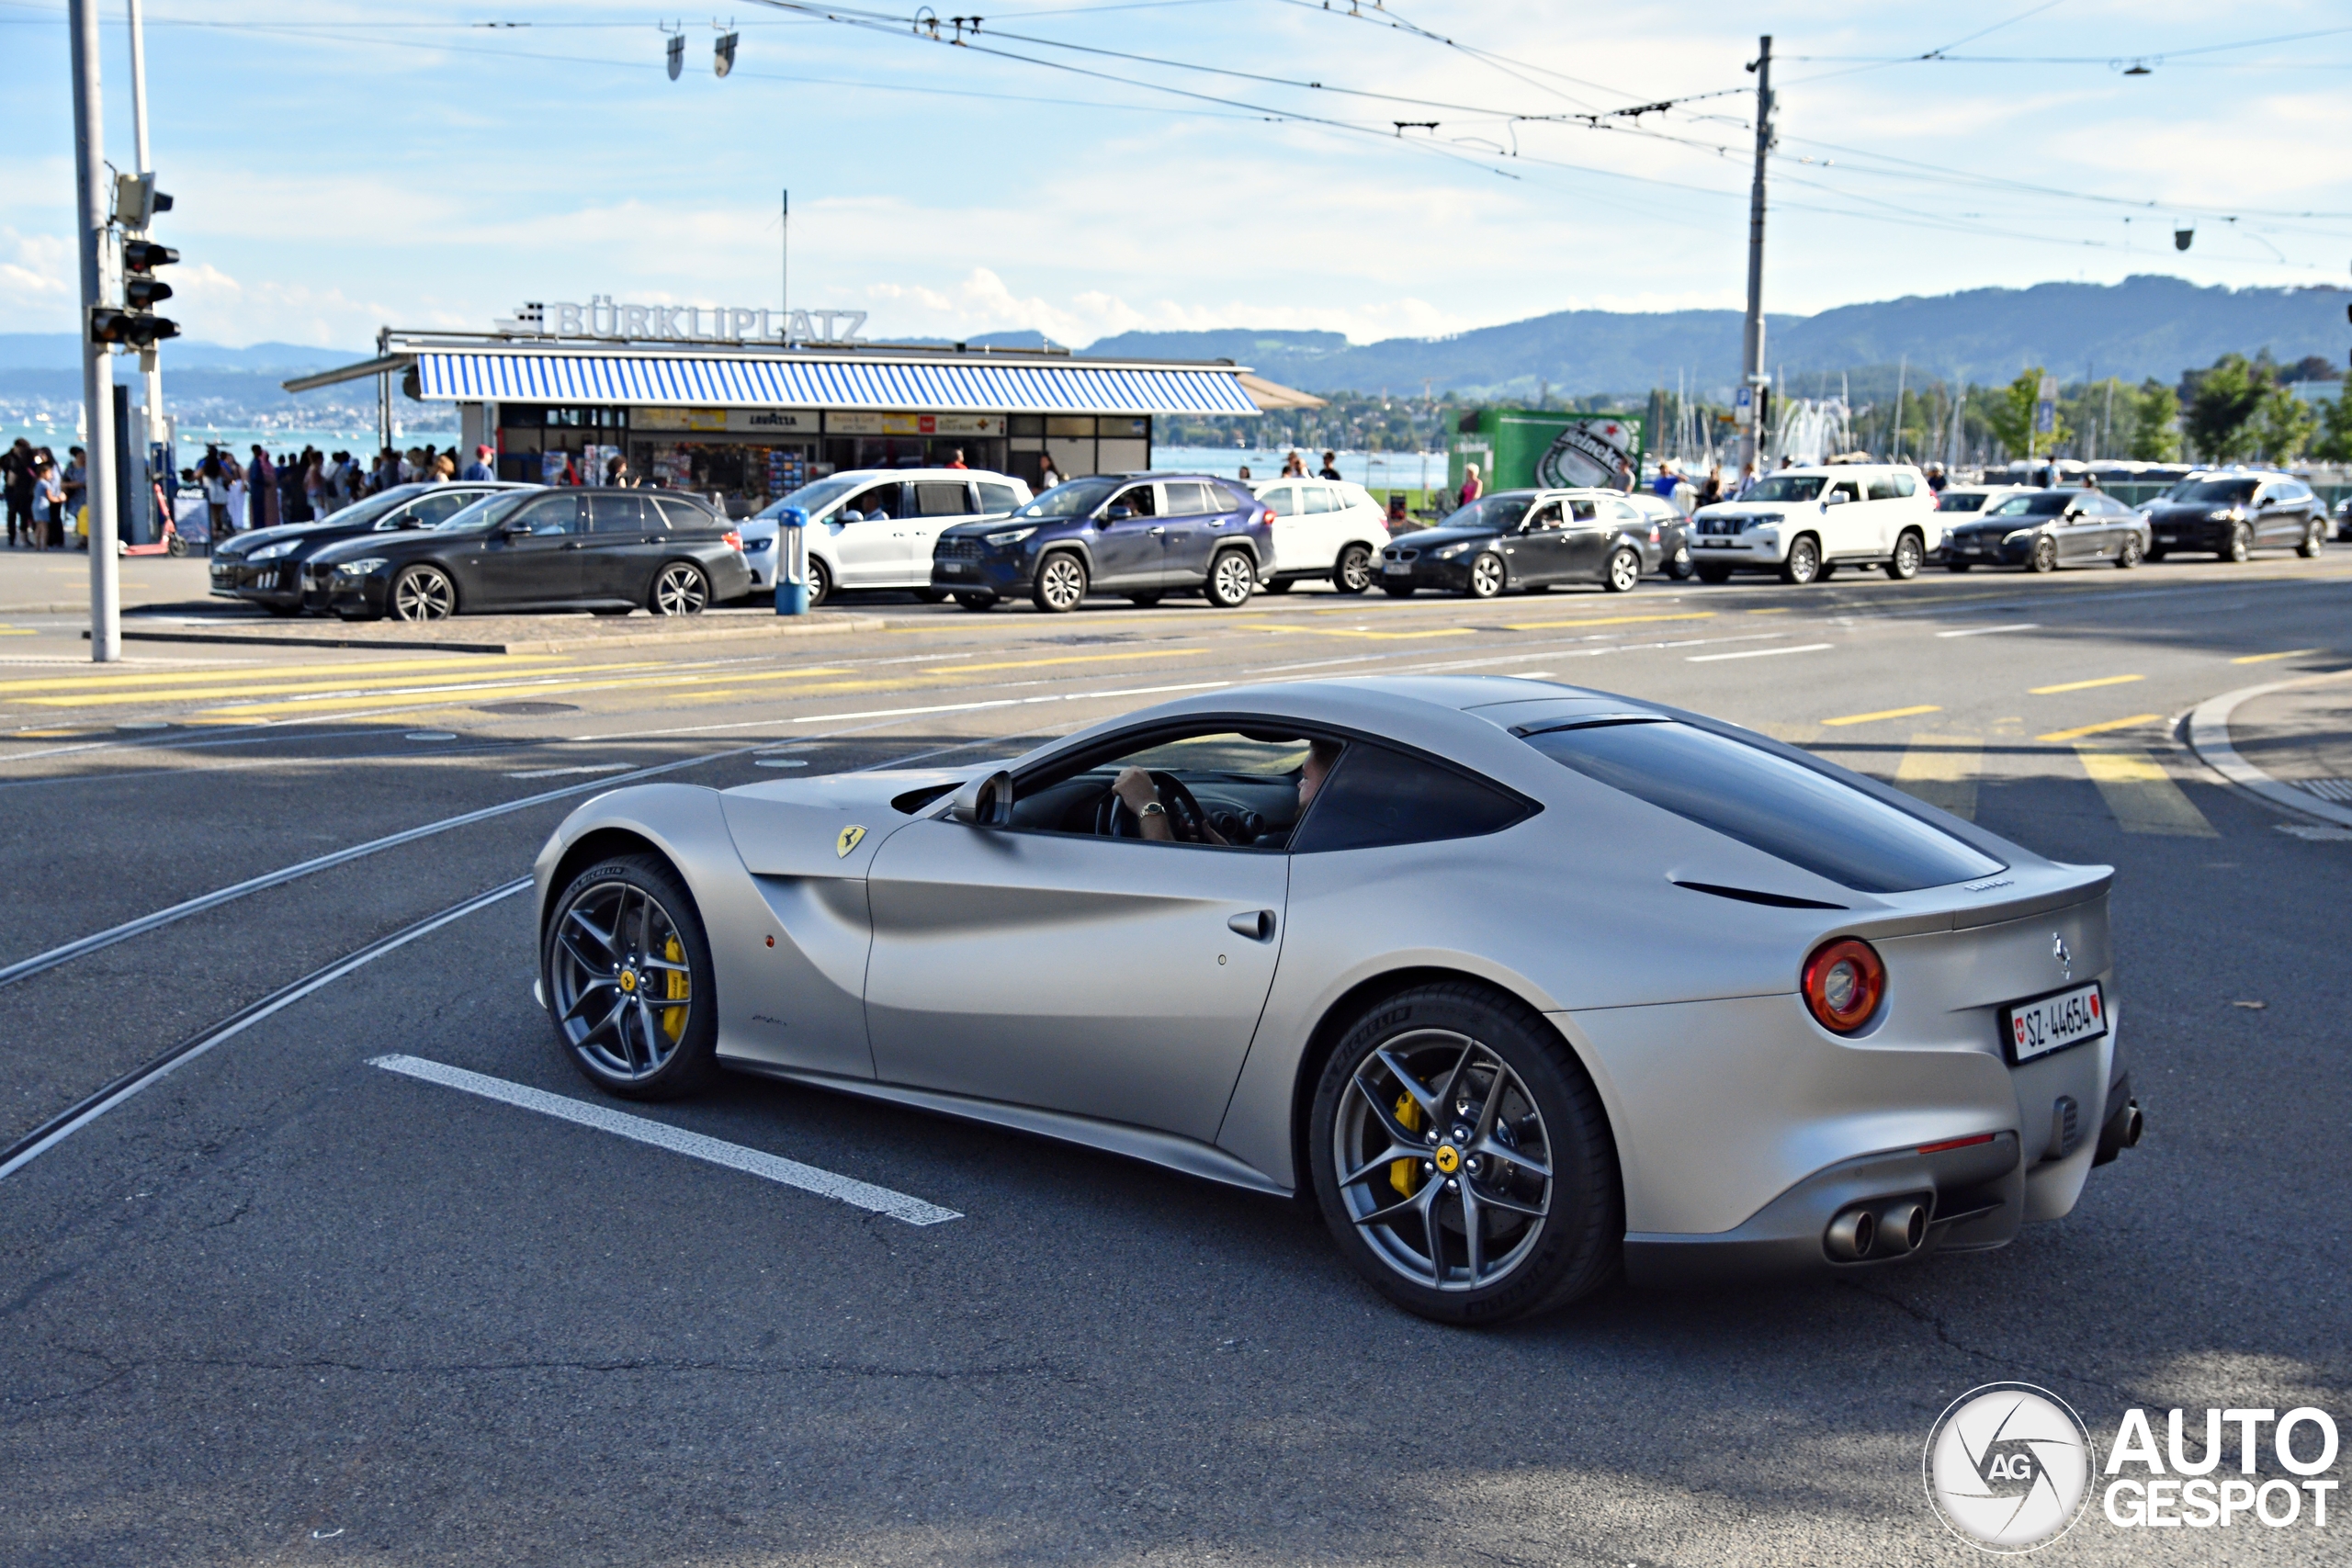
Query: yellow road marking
2267	658
327	689
491	690
1782	610
1063	658
2143	796
488	664
2084	685
1941	770
16	631
1883	712
1607	621
2134	721
1362	632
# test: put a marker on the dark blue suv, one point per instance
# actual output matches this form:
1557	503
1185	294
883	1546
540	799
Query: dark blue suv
1136	534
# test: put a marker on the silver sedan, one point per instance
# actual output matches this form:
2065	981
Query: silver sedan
1527	986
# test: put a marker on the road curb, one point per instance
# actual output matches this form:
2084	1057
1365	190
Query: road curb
2209	737
790	628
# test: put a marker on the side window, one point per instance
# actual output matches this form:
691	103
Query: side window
435	508
1583	510
879	503
1189	497
682	514
1544	516
1320	498
2294	489
1376	797
1232	498
1138	500
1882	487
550	514
615	515
1625	512
996	499
1849	489
1283	499
1246	788
938	498
1906	485
397	517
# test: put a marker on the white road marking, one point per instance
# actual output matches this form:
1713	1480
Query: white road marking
567	773
1988	631
25	1154
1758	652
662	1135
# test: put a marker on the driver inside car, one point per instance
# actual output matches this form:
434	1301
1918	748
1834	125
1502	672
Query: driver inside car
1135	790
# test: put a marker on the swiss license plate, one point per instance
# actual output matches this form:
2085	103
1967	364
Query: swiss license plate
955	567
1399	569
2036	1028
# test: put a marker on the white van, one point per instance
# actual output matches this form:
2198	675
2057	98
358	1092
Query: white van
1324	528
1807	523
874	527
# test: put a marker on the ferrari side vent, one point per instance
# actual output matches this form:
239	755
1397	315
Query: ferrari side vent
1755	896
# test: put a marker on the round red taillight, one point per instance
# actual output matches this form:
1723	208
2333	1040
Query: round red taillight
1844	982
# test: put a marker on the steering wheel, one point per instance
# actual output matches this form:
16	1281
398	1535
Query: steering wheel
1185	817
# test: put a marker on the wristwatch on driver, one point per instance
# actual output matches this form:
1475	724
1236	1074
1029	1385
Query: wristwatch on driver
1152	808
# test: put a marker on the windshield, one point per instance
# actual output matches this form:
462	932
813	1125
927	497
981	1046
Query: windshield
1077	499
2043	503
2222	492
815	496
1962	502
1496	514
486	512
1787	487
375	506
1805	817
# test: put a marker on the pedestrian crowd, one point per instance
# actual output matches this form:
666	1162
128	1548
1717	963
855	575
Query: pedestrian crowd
42	494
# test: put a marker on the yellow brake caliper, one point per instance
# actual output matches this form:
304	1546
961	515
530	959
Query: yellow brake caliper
674	1019
1401	1175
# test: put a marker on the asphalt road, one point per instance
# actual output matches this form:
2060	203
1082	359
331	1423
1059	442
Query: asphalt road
285	1306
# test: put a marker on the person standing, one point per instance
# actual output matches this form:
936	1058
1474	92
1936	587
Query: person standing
261	490
1244	475
1293	467
481	468
1669	477
957	460
1471	488
77	486
1330	467
1048	477
17	490
1712	490
314	482
48	501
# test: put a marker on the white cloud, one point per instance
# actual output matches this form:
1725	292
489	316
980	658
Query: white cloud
36	275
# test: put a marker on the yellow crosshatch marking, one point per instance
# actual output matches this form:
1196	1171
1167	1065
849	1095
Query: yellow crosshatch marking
2267	658
476	663
1063	658
1883	712
2085	686
1608	621
2142	795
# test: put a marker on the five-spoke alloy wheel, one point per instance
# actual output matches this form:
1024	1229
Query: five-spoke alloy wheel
1462	1158
627	973
1352	574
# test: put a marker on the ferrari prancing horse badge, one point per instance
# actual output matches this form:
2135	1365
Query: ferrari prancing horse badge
847	841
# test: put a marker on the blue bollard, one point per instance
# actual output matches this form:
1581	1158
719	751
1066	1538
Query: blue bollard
792	562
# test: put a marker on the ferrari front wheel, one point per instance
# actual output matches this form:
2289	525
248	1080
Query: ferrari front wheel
626	971
1462	1158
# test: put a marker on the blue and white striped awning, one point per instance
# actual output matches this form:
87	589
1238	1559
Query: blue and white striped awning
741	381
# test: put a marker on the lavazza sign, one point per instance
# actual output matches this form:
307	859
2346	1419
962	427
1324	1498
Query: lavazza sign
604	318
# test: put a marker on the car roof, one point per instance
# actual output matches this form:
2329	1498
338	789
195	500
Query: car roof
929	473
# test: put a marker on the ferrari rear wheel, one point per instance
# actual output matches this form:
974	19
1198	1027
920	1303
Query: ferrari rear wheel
627	973
1463	1161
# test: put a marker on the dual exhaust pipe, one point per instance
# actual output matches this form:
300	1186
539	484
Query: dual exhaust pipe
1886	1227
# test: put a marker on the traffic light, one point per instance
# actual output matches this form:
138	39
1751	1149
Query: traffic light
136	326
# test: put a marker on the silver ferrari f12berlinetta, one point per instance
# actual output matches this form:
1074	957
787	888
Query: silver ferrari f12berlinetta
1522	986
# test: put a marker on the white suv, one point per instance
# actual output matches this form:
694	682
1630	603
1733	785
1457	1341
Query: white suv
1324	528
874	527
1807	523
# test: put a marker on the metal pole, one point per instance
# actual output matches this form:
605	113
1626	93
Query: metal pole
784	268
1752	343
97	382
151	372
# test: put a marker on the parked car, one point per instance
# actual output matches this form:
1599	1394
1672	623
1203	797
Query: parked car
2043	530
1142	536
2234	512
1527	538
1671	529
1956	501
1673	999
1327	529
1807	523
2344	519
613	550
265	567
874	527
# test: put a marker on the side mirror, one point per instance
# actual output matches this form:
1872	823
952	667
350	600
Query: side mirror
514	528
1835	498
846	517
1118	513
985	802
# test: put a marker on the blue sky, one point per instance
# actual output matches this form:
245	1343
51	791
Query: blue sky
339	168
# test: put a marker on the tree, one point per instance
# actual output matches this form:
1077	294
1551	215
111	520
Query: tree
2334	443
2282	427
2222	402
2010	410
2156	422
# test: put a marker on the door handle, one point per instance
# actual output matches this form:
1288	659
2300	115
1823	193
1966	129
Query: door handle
1155	530
1258	925
575	544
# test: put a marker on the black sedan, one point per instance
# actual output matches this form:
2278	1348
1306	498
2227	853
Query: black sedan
265	567
2043	530
2235	514
1527	538
611	550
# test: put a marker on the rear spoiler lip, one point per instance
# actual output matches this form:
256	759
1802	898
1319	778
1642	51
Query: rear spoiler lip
2042	890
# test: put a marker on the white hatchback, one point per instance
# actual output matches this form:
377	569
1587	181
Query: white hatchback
1804	524
1324	528
874	527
